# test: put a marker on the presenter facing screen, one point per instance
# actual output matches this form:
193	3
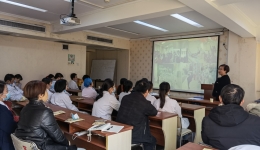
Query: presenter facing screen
222	81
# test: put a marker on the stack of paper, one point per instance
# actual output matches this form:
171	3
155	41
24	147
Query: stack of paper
70	120
113	128
58	112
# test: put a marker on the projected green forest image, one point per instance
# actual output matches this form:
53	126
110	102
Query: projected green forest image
185	63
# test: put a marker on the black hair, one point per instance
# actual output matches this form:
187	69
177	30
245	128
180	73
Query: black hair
145	79
8	77
163	90
127	85
73	75
50	76
232	94
107	84
46	80
18	76
225	67
2	86
122	80
141	86
60	85
58	75
151	86
85	77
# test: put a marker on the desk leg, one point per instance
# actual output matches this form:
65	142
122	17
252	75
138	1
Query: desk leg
120	141
169	127
198	116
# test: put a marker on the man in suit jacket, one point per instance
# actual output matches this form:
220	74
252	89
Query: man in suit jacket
135	110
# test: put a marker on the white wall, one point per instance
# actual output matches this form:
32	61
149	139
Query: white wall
122	58
242	54
35	59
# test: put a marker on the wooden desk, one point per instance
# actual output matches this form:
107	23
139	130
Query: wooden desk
193	146
85	104
195	114
163	127
99	140
74	92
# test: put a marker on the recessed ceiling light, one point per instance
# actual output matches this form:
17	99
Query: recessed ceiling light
151	26
184	19
122	30
23	5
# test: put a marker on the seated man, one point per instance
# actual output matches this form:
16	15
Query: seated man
230	125
16	94
134	111
73	82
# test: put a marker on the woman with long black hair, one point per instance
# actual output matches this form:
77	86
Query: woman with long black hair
165	103
106	101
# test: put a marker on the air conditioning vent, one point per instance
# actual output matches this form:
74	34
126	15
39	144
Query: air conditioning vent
65	42
100	39
22	26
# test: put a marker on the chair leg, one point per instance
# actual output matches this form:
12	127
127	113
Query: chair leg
180	140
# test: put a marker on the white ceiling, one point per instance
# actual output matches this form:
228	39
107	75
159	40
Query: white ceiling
169	23
55	8
250	9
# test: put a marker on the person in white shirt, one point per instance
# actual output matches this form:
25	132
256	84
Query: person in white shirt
106	102
73	82
127	86
149	97
57	77
16	94
17	80
60	98
83	78
89	91
48	83
166	104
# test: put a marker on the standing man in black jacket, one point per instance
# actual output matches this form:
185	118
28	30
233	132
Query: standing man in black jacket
135	110
230	125
222	81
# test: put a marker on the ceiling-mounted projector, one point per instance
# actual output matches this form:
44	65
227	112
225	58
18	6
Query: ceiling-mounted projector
70	20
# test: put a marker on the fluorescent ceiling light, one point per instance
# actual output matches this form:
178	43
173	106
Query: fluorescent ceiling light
151	26
184	19
122	30
23	5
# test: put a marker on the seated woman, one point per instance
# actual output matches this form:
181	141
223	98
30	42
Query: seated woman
37	122
106	102
165	103
149	97
48	83
83	78
60	98
127	86
89	91
7	123
120	87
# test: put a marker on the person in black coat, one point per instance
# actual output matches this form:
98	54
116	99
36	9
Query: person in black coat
7	123
230	125
135	110
37	122
222	81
